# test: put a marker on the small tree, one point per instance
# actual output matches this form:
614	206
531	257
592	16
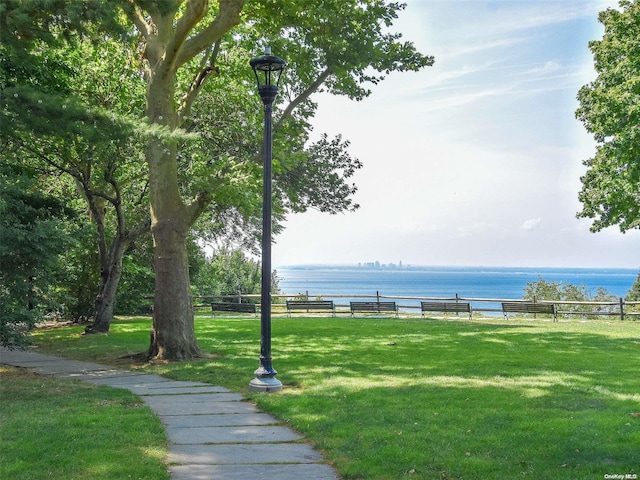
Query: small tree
230	272
31	237
634	292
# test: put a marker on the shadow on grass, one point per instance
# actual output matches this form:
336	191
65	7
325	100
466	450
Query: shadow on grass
438	399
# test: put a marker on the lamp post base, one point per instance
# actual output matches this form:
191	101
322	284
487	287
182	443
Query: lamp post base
265	384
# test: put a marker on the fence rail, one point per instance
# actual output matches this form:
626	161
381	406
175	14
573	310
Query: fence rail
407	304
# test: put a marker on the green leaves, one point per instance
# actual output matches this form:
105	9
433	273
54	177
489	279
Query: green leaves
610	110
229	272
31	239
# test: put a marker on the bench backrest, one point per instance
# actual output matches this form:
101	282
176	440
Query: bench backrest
374	306
310	304
528	307
233	307
446	307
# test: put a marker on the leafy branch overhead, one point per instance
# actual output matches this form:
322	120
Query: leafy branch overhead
610	110
149	107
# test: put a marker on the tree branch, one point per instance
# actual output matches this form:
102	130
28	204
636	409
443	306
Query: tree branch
198	82
194	12
303	96
135	15
197	206
228	17
140	229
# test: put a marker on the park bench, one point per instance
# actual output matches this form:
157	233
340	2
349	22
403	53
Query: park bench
233	307
446	307
530	307
310	305
375	307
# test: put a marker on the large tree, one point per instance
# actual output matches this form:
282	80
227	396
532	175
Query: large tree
610	110
204	119
85	79
335	44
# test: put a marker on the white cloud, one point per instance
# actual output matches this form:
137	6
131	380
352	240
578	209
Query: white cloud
531	224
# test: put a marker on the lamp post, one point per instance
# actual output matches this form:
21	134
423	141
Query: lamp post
267	69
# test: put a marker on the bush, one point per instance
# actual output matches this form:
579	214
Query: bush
557	291
230	272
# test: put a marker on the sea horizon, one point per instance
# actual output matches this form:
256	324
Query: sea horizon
442	281
411	265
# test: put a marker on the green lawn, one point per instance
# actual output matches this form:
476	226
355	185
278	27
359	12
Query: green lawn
433	399
68	430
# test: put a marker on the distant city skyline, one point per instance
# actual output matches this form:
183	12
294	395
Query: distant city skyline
476	160
378	264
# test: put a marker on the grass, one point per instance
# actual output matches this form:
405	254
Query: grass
64	429
431	399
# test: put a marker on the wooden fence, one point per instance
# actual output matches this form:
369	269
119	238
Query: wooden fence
619	308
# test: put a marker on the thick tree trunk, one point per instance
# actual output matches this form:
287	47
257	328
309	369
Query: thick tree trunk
172	334
173	331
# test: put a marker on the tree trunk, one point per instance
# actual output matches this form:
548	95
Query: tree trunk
173	331
172	43
172	334
105	302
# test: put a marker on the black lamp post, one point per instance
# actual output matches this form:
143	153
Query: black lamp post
267	69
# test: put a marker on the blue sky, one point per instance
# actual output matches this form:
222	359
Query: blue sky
476	160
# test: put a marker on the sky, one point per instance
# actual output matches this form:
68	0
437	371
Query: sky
476	160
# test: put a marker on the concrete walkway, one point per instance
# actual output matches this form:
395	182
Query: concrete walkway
213	434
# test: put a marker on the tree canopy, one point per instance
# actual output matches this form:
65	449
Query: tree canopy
178	118
610	110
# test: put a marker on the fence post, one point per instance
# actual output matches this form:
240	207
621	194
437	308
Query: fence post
377	296
621	309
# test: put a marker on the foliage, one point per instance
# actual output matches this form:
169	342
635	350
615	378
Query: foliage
414	398
160	69
77	281
136	287
558	291
64	76
610	110
32	235
634	292
230	272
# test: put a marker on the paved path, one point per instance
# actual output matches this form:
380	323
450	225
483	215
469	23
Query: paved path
213	434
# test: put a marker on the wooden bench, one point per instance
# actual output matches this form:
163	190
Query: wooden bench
446	307
234	307
310	305
375	307
530	307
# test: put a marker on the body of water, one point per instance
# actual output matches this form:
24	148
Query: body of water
445	282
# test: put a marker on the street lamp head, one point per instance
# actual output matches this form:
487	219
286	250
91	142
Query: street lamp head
267	69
